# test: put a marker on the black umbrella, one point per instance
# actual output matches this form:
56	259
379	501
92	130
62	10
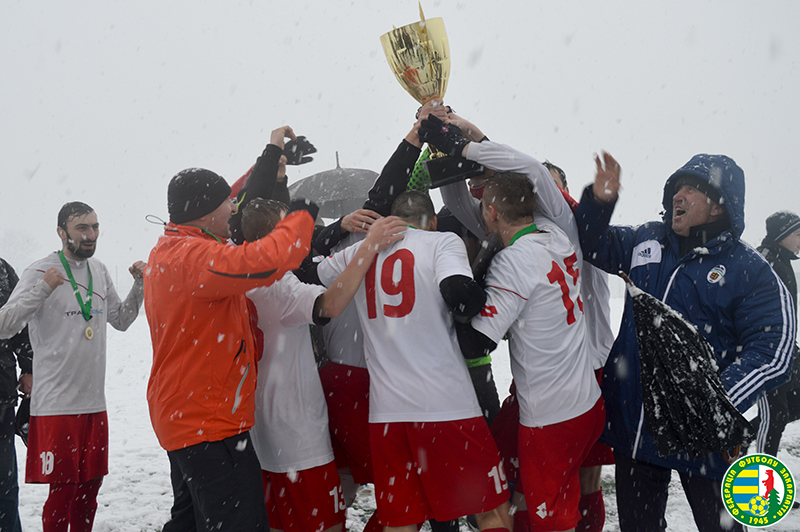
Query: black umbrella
686	407
337	192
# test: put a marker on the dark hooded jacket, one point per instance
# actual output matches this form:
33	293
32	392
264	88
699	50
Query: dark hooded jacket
725	288
780	259
15	350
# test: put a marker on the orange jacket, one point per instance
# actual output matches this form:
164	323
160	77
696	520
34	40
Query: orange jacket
204	357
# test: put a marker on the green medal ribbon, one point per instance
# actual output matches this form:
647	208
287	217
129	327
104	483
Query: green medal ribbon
522	232
209	233
475	362
86	308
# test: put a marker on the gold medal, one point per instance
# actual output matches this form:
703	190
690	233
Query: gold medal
86	306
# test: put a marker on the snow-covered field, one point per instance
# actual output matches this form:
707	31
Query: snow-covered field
136	495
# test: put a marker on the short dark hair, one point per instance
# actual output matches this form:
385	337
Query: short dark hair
71	210
260	216
414	207
550	166
511	194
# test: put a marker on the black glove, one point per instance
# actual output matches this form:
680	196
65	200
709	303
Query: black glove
304	205
296	150
447	138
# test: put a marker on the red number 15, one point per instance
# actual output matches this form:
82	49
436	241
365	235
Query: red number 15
556	275
404	286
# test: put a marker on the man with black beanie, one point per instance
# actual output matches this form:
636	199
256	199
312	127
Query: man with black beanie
203	379
780	246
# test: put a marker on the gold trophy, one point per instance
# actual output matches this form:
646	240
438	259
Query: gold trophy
419	56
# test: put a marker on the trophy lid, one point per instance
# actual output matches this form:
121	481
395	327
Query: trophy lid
419	56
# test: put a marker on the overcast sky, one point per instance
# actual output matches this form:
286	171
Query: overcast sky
103	102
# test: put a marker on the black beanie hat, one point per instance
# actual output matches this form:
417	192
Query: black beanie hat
782	224
700	184
193	193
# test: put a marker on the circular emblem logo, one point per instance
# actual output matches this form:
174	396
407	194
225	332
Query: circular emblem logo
716	274
758	490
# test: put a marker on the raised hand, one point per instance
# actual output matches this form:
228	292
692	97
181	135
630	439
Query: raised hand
297	150
301	204
447	138
53	277
359	221
137	269
385	232
606	181
434	107
470	130
279	136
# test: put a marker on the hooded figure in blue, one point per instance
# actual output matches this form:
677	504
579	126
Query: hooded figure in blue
695	262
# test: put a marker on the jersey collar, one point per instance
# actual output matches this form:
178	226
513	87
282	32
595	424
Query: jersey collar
522	232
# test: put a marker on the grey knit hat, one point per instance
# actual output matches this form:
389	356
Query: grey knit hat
193	193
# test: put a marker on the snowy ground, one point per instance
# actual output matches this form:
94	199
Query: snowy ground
136	495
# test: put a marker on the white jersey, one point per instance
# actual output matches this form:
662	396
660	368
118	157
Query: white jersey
291	422
597	306
551	208
69	369
416	369
533	292
344	341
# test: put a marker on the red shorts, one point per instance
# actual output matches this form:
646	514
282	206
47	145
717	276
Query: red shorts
67	449
505	429
441	470
600	454
310	500
347	394
549	460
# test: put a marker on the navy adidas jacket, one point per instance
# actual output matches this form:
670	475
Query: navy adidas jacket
725	288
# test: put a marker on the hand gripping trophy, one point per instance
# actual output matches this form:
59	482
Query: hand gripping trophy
419	56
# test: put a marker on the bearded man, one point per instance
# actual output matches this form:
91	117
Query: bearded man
66	299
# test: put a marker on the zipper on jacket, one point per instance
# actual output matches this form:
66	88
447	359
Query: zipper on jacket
237	399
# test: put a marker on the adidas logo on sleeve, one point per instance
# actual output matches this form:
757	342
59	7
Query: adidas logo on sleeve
645	253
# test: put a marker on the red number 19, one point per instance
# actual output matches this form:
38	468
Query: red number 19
403	287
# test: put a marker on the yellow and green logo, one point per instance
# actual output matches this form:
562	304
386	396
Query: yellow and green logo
758	490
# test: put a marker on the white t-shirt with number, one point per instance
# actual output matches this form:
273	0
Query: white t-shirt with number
533	292
551	208
416	369
291	424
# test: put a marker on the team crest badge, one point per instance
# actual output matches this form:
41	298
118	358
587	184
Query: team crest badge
716	274
758	490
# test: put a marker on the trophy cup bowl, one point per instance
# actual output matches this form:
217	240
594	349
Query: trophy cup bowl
419	56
